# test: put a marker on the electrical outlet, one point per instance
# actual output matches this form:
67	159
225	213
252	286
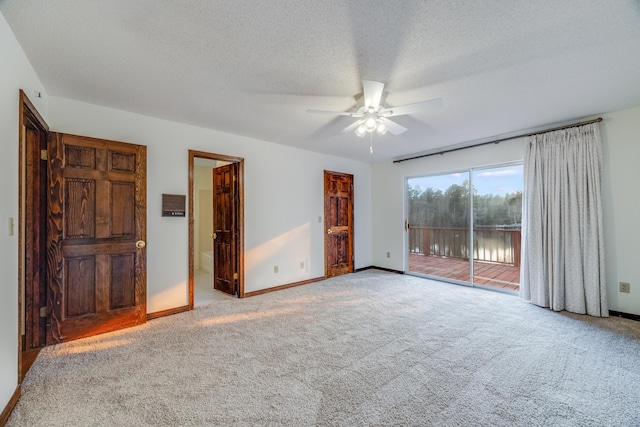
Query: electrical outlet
301	264
625	287
275	268
388	254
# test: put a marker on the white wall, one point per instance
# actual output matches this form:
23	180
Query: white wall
283	198
15	73
202	211
621	199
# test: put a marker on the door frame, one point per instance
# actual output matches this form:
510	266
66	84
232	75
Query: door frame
27	113
239	215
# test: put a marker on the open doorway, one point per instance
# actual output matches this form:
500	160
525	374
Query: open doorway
215	227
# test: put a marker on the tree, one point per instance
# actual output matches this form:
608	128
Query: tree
450	209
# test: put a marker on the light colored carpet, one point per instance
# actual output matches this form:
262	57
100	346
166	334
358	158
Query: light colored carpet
370	348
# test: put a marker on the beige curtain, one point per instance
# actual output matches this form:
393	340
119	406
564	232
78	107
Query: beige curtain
562	246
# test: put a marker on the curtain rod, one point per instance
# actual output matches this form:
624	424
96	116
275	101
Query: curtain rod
497	141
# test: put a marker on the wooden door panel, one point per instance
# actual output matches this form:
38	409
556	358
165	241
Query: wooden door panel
80	208
122	284
119	161
80	286
341	255
224	267
81	157
339	211
338	223
122	209
97	213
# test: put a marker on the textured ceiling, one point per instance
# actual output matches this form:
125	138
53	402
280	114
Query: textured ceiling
253	67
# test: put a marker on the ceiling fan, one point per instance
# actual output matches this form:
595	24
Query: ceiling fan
374	117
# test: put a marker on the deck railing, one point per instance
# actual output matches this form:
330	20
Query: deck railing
492	245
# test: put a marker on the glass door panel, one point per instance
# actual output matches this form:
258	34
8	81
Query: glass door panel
497	220
438	229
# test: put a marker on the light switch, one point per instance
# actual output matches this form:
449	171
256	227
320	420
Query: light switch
10	226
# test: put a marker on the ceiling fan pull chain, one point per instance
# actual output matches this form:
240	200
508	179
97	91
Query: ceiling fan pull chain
371	143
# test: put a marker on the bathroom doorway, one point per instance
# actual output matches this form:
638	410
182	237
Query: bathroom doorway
208	266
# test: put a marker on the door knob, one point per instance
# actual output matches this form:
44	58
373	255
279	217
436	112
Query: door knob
213	236
329	231
140	244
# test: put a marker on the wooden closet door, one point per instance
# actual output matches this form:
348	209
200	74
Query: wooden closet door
96	236
225	241
338	217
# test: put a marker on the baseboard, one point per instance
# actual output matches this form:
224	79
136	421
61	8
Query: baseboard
6	413
279	288
168	312
635	317
373	267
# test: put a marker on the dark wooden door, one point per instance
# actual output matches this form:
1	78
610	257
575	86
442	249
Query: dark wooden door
225	237
338	219
33	234
96	236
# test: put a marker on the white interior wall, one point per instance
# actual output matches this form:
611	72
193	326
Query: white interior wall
621	201
621	204
202	183
15	73
283	198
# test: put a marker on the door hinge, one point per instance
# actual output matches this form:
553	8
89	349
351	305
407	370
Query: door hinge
43	311
235	276
44	154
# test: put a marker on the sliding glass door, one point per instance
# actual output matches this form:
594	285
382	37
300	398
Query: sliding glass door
466	241
497	220
438	226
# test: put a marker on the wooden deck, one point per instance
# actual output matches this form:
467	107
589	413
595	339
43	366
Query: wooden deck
485	273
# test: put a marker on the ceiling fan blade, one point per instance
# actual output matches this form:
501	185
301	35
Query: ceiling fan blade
418	107
372	93
393	127
335	113
352	127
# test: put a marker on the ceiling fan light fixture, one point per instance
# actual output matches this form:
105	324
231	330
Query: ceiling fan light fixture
371	116
370	123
